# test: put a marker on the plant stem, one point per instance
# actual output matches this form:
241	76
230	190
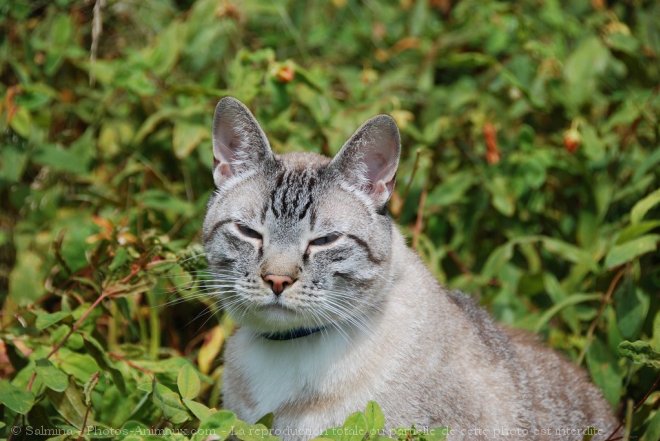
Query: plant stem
603	304
637	406
104	295
406	191
94	379
112	326
154	326
419	222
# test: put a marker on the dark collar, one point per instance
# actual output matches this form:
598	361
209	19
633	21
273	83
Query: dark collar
292	334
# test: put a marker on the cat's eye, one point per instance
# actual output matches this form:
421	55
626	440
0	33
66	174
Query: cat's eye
248	232
324	240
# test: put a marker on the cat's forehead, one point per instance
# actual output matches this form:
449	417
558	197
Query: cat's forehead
294	187
303	160
294	193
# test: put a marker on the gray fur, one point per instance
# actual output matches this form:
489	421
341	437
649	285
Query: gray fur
390	333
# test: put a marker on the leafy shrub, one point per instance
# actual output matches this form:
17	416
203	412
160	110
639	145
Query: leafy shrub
529	178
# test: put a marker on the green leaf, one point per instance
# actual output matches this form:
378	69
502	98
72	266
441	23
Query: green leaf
640	352
353	429
51	376
12	163
252	432
267	420
581	70
452	190
150	124
120	258
631	305
22	122
60	159
89	388
497	259
569	252
59	40
163	56
81	366
628	251
503	197
186	136
652	428
198	409
589	434
70	404
219	426
604	370
45	320
16	399
165	202
138	82
75	244
643	206
636	230
655	341
165	366
169	402
188	382
100	355
623	41
437	434
374	416
25	286
135	431
568	301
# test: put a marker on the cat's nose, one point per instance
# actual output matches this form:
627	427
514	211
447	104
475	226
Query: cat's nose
278	283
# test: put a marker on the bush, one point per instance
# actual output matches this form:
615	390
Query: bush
529	178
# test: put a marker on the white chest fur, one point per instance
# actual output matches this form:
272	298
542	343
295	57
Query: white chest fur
297	373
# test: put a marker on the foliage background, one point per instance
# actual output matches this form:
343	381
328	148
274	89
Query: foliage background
529	179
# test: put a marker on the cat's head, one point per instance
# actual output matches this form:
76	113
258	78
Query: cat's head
299	240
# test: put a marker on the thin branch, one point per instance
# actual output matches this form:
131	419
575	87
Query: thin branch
106	294
92	381
97	29
123	359
459	263
406	191
419	222
639	404
603	304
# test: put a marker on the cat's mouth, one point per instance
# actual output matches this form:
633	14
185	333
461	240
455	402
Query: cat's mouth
275	315
277	306
278	316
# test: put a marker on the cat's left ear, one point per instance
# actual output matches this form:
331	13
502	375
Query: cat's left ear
369	159
239	144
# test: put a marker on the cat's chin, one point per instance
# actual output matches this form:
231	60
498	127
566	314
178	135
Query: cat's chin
274	317
277	311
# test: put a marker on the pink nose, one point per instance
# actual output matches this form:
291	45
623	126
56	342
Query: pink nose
278	283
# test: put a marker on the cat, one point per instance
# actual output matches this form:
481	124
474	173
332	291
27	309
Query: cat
334	310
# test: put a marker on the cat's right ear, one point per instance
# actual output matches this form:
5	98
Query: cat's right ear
370	158
239	144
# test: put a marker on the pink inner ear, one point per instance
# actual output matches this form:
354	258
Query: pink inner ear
375	163
378	167
378	188
226	144
225	170
371	156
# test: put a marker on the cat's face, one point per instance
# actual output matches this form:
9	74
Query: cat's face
299	241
